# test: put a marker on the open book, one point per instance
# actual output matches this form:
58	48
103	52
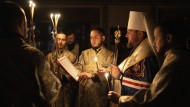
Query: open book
69	67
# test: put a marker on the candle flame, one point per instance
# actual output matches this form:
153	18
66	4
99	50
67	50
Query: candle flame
95	59
32	4
106	75
59	15
51	15
54	18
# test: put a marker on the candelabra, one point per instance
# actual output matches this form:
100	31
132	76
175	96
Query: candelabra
54	19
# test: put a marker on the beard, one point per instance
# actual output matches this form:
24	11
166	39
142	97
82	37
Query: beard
60	46
97	46
129	45
160	52
71	46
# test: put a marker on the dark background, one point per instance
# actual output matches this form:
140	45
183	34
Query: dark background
81	15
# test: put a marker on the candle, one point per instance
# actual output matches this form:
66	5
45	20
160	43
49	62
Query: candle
106	75
96	60
51	15
57	18
31	37
54	19
31	5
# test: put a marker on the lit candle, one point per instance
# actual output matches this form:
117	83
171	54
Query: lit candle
51	15
31	5
96	60
31	36
54	19
106	75
57	18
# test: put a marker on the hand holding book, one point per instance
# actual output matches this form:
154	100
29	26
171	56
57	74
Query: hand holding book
69	67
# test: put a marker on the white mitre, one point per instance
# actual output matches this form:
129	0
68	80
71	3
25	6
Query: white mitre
143	22
136	21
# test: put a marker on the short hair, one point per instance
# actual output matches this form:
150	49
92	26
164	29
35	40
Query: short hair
174	26
11	15
100	30
69	32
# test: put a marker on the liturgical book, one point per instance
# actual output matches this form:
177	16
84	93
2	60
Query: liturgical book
69	67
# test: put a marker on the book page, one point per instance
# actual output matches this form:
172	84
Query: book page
69	67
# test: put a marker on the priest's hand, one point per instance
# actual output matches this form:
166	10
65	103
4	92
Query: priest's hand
85	75
115	72
101	71
114	97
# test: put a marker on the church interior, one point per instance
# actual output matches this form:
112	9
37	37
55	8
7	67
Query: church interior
81	15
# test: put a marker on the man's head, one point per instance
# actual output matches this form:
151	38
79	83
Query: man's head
60	40
97	37
13	18
134	37
169	34
136	31
70	38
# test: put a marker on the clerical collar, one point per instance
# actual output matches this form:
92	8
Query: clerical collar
60	50
97	50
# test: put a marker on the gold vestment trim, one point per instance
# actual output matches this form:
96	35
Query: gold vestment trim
141	52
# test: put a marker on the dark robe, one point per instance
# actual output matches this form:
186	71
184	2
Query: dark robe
26	80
